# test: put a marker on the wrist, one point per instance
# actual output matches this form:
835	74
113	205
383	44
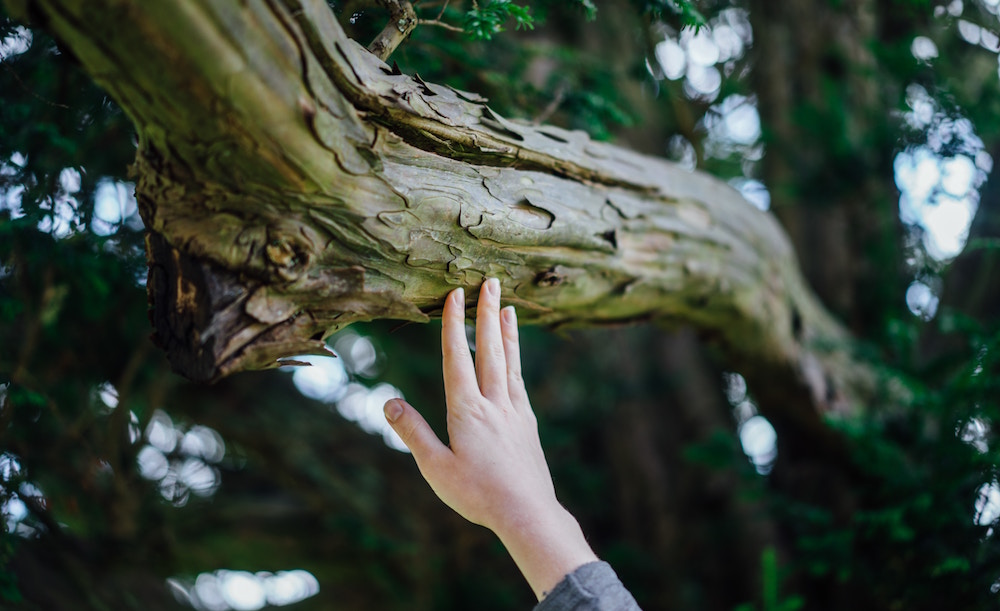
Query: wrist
546	543
526	521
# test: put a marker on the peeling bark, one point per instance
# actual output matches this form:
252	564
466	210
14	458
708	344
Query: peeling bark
293	183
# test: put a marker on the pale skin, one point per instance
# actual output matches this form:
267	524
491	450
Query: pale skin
494	472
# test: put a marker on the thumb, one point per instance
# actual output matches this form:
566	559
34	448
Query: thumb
412	429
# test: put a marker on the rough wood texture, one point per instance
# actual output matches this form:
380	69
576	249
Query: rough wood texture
293	183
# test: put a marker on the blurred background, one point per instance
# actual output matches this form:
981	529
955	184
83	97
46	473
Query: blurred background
869	128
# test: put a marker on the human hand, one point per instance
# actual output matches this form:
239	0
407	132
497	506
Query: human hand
494	468
494	472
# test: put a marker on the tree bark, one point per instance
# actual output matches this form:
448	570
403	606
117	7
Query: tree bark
293	183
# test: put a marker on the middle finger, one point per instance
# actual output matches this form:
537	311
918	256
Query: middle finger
491	364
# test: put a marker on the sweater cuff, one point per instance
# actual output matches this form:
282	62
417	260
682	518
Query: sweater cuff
593	586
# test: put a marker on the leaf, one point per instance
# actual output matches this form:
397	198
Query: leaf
482	23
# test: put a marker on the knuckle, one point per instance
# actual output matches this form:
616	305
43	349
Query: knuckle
456	345
466	405
407	431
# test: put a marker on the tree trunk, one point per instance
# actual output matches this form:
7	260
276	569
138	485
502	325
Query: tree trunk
829	150
293	183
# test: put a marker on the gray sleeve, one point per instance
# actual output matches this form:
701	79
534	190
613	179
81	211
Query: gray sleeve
592	587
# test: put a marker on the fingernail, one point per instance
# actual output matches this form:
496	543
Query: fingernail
393	410
509	315
460	296
493	286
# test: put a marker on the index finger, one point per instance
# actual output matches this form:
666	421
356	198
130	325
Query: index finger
459	371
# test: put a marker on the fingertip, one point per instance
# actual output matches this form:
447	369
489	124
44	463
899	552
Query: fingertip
393	409
489	297
509	316
454	307
459	371
412	429
454	304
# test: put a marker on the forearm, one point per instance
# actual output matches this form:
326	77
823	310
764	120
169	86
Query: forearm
546	544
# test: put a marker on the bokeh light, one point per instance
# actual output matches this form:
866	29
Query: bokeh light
939	179
757	436
921	300
359	353
702	60
61	218
987	506
181	460
225	590
753	191
702	57
324	379
974	432
760	443
115	205
364	406
15	489
338	381
15	43
923	48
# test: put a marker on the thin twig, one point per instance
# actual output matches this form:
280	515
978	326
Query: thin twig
443	7
440	24
553	106
17	78
402	20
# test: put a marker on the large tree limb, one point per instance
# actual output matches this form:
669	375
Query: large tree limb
293	183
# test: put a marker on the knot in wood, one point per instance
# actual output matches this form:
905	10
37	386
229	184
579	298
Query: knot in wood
287	256
550	277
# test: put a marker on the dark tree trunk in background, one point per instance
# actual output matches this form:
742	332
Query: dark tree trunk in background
665	406
828	166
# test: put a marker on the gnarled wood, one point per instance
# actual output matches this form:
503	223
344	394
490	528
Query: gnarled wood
293	183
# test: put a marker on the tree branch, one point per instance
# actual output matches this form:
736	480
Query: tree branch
294	183
402	20
440	24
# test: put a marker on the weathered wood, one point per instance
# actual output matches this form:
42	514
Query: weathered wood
293	183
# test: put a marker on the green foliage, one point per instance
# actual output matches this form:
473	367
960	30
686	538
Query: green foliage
770	585
689	15
483	22
584	92
916	540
